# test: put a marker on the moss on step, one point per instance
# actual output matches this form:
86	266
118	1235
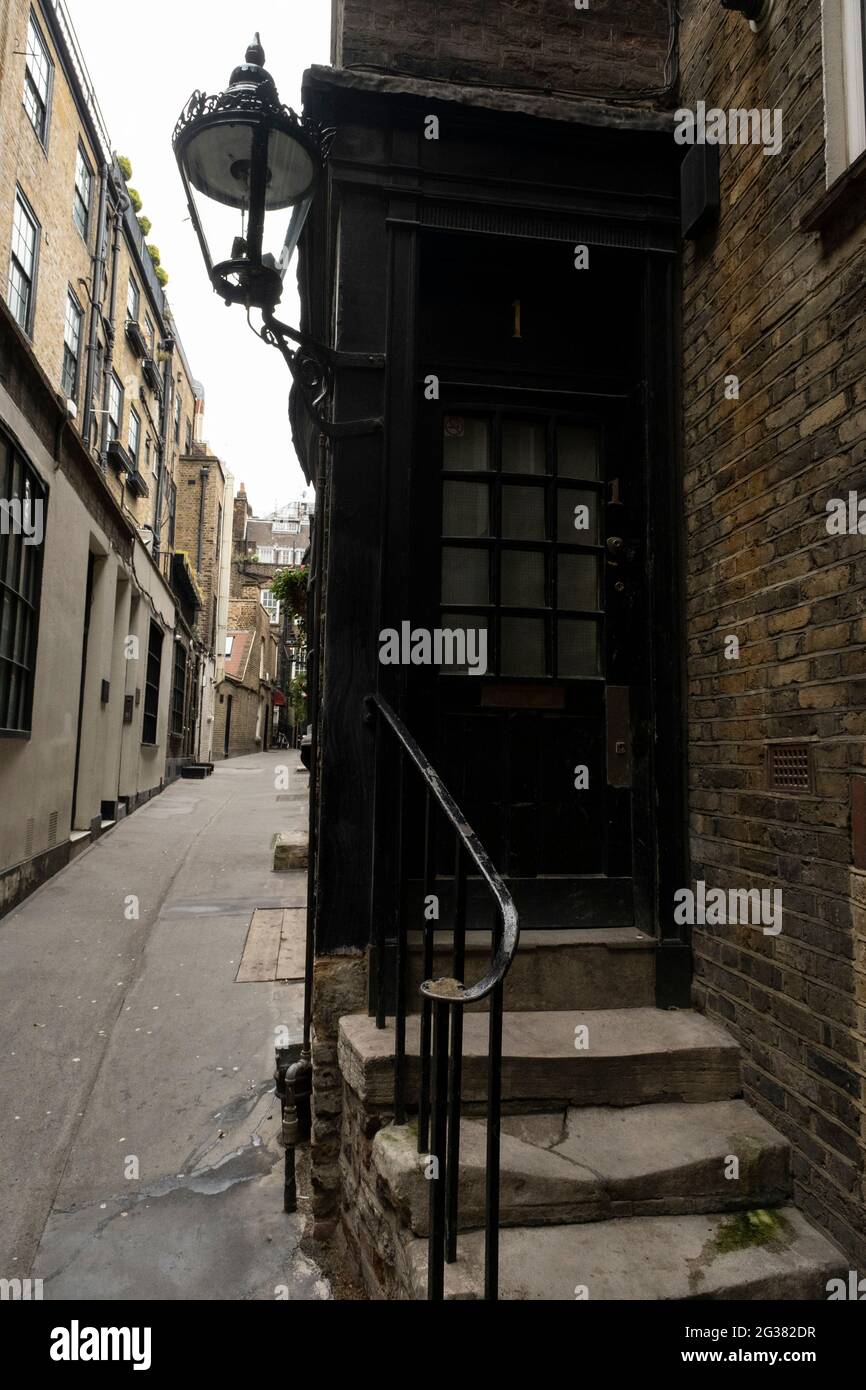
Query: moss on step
746	1228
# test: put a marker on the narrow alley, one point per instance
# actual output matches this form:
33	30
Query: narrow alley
139	1136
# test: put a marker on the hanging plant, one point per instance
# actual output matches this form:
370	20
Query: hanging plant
153	252
290	587
162	276
135	199
125	166
145	224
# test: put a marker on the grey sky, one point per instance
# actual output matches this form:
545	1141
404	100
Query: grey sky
143	74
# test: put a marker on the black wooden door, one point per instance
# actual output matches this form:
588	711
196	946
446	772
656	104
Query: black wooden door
529	535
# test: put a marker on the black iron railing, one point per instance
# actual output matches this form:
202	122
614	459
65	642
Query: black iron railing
443	1000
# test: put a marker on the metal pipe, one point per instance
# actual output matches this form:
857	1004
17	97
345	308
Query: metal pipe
97	274
111	329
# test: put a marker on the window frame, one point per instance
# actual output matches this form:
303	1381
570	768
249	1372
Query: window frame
47	100
178	415
133	292
26	597
22	203
134	420
178	691
82	162
152	685
114	382
843	25
551	483
72	302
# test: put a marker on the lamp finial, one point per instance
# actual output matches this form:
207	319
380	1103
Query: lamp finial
255	53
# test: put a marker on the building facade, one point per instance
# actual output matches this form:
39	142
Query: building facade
596	387
97	406
773	295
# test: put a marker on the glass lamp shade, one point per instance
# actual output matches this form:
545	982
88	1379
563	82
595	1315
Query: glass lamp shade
250	168
219	161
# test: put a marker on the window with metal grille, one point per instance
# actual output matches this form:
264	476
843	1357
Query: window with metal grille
23	262
178	407
82	195
38	71
133	300
178	693
134	437
522	502
151	685
71	346
22	528
115	406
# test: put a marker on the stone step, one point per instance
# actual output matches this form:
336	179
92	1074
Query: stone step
632	1056
597	1163
608	968
750	1255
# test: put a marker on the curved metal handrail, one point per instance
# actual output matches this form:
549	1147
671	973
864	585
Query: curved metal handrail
451	991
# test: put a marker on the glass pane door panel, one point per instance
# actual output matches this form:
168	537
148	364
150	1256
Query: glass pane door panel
522	579
466	509
522	642
466	445
578	450
579	648
465	575
573	526
522	513
523	447
578	582
462	646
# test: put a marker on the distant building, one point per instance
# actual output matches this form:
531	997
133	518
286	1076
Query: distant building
262	546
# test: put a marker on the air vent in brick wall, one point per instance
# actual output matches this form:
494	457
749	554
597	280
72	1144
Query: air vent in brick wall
789	768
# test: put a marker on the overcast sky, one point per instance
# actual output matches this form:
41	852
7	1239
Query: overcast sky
144	62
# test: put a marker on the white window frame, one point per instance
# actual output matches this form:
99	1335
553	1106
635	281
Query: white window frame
23	212
36	53
82	197
133	299
115	406
844	46
266	555
133	436
72	326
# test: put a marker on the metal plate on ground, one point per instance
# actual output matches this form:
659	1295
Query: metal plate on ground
275	947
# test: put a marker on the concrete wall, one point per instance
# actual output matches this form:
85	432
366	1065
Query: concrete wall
783	309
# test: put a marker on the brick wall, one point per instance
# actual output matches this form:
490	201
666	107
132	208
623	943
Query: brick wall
784	310
614	44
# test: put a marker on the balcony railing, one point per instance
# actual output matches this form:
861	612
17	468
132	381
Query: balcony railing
443	1001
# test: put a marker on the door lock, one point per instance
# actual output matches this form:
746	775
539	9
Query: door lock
615	546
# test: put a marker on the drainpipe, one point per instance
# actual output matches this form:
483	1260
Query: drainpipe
111	331
98	270
204	475
164	445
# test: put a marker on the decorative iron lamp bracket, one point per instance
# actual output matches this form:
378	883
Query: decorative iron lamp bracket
245	152
312	367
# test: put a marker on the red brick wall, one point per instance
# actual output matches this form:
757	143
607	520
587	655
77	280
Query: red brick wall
613	45
784	310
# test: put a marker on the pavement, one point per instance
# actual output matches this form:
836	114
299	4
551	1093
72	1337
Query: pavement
138	1124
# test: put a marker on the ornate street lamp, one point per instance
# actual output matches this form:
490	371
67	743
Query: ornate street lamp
247	163
246	152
